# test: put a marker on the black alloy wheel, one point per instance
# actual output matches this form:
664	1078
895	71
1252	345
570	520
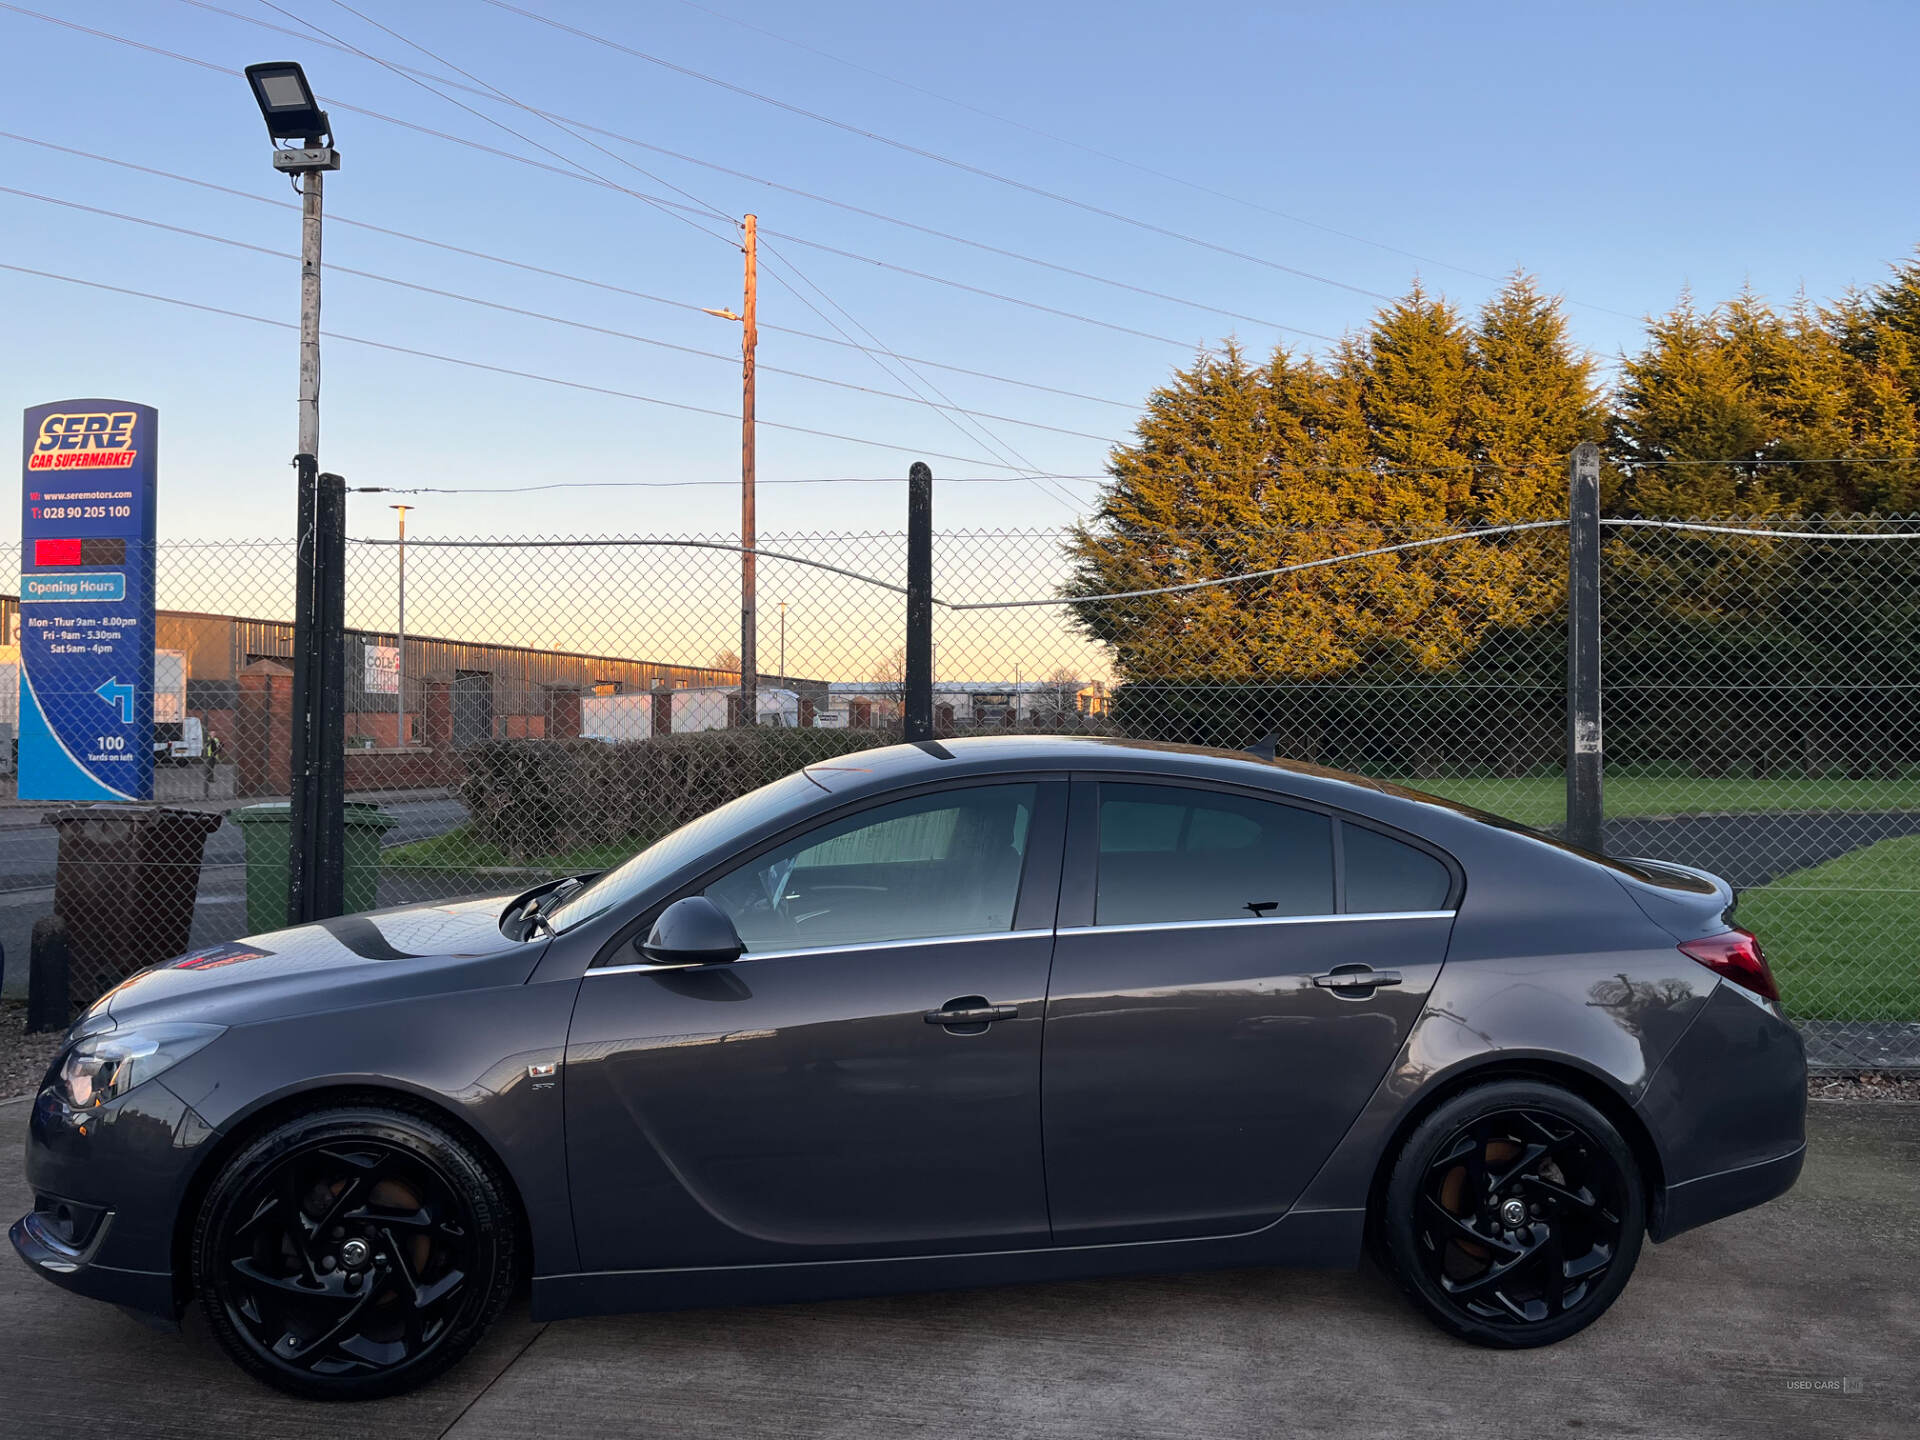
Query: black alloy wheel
355	1252
1514	1214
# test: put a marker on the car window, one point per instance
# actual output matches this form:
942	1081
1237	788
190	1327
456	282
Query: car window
942	864
1384	875
1170	854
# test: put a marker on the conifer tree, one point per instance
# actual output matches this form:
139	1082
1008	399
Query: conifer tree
1532	400
1424	424
1683	403
1895	304
1183	496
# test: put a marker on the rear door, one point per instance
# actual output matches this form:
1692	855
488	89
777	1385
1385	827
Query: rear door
1231	977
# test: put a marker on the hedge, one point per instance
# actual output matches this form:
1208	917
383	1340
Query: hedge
535	798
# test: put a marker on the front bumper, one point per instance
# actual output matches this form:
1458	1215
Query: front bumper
107	1188
148	1292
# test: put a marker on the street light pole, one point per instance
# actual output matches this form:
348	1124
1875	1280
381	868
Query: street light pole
316	872
400	640
310	196
783	644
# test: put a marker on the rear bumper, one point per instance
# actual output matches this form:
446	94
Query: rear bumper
1727	1111
1713	1197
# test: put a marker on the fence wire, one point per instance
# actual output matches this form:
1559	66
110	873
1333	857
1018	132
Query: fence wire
558	702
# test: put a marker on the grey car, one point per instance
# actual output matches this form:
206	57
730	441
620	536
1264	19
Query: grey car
935	1015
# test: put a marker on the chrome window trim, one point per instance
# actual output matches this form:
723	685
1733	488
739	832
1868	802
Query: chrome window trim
645	968
831	949
1261	920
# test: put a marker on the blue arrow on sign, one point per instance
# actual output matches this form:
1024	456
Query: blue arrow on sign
114	693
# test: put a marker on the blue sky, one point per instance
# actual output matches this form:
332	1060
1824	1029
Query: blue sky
1620	152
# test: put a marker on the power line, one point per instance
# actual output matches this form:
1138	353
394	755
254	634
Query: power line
584	176
947	160
664	207
338	219
337	268
998	295
983	436
1081	146
949	413
881	139
575	126
495	369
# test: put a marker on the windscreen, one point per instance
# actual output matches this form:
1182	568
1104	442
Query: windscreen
672	851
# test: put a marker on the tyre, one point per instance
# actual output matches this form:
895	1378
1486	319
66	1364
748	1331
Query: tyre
353	1252
1513	1214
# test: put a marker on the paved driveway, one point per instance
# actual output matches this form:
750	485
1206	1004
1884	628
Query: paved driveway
1746	1329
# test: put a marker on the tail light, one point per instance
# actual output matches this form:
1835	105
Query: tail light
1736	956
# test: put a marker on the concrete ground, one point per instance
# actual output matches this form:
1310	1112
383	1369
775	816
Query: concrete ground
1797	1320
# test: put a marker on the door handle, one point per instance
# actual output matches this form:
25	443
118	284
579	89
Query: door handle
1350	981
977	1013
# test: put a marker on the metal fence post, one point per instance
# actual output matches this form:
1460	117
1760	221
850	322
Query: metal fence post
316	880
918	716
330	866
1585	752
308	686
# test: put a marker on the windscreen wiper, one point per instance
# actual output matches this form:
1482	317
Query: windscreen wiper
534	917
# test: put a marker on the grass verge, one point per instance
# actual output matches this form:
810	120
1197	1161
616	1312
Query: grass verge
1541	800
1843	938
460	850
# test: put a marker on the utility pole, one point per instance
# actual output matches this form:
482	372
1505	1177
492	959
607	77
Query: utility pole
749	534
400	640
749	610
783	644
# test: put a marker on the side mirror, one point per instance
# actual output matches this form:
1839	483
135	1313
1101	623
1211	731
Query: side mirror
693	931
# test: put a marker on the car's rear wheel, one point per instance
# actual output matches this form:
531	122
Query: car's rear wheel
1513	1214
353	1252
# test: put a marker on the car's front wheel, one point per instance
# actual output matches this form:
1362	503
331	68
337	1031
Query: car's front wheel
353	1251
1513	1214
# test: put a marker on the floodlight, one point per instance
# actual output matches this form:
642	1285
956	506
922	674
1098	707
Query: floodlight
286	102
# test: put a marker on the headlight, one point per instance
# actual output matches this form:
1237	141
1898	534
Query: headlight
104	1067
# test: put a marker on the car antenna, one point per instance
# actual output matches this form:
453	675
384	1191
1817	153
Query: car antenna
1267	747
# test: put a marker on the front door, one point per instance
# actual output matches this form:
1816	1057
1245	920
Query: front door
472	708
864	1081
1210	1031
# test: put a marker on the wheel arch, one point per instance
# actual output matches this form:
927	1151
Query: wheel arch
255	1122
1595	1089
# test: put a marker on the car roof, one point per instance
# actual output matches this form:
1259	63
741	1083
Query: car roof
898	766
910	764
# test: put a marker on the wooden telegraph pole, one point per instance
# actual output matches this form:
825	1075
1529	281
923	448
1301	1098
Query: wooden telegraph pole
749	617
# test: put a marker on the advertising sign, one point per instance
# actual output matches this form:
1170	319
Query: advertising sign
382	673
86	601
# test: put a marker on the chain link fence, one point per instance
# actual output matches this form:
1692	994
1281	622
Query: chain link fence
556	703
